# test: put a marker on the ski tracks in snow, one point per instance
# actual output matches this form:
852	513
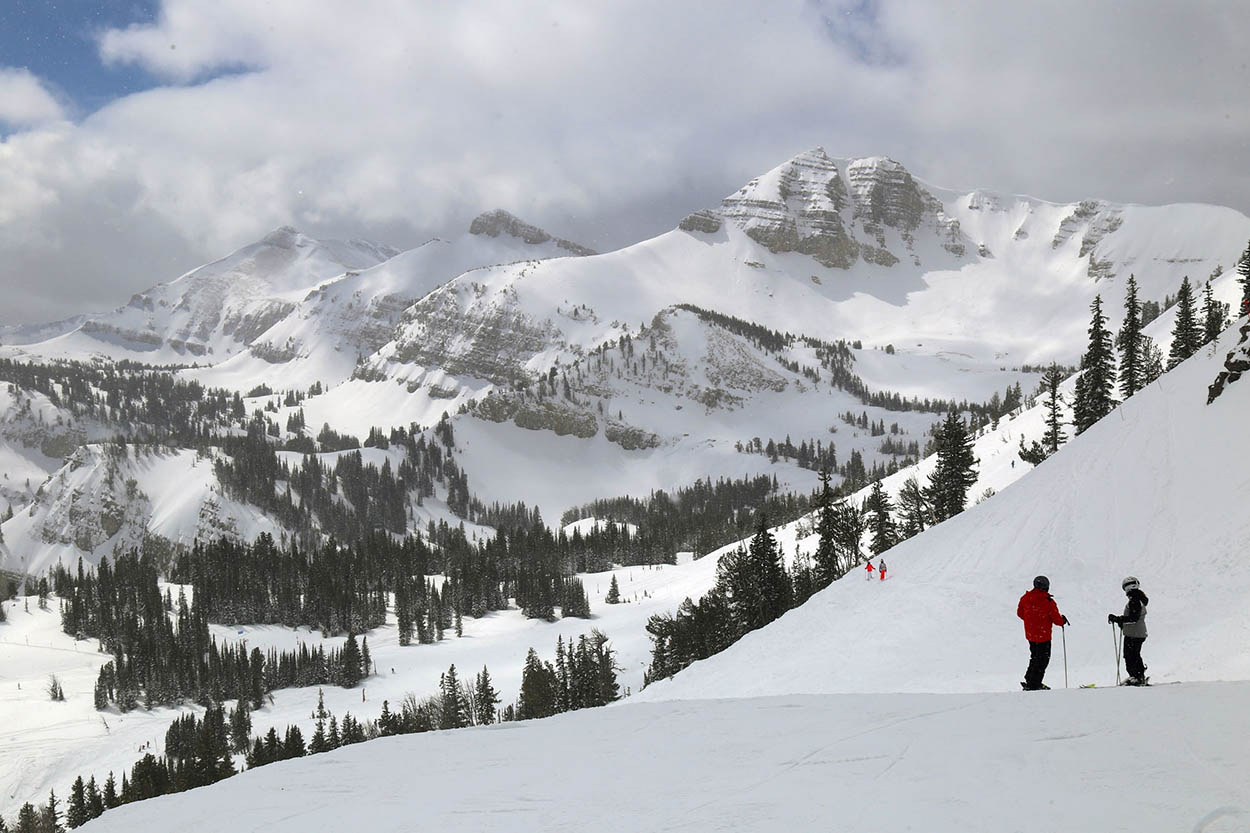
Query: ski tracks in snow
785	767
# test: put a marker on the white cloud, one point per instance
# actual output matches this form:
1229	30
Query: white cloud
24	100
605	122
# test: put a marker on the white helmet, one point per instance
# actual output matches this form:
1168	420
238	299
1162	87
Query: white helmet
1130	583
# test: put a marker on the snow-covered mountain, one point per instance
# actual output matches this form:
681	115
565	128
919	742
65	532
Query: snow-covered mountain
217	310
597	375
341	321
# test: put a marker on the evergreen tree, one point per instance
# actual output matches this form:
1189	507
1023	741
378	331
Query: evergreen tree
240	726
1054	436
1152	359
293	744
50	818
1096	384
1243	269
453	706
1128	340
320	743
538	689
955	472
828	568
884	533
614	592
350	661
913	507
95	801
774	582
111	799
1186	332
366	662
1214	315
27	820
849	533
485	698
76	809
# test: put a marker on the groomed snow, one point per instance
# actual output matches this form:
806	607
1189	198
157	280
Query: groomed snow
1171	758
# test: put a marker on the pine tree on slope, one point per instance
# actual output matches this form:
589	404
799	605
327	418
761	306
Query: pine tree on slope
955	473
1243	269
1096	384
485	698
913	508
1054	436
1128	340
1152	360
76	809
1214	315
1186	332
884	533
826	557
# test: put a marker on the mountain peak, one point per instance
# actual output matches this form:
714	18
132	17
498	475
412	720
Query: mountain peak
838	211
284	237
497	222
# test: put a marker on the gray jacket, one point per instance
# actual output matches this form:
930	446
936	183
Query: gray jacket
1134	619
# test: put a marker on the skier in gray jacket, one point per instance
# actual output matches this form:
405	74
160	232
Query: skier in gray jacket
1133	625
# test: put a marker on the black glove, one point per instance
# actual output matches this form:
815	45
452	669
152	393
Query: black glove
1112	619
1065	620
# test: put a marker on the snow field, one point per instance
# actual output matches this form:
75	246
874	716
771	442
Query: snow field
1122	760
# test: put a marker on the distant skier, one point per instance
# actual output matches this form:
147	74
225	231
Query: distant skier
1038	610
868	575
1133	625
881	569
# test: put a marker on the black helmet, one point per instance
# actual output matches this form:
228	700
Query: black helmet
1041	583
1130	583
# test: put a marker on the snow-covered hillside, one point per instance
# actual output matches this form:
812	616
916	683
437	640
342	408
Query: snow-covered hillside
110	499
1157	489
828	716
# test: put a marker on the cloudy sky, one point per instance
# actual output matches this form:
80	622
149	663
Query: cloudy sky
140	138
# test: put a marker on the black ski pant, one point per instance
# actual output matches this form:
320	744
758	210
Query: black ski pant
1039	658
1132	656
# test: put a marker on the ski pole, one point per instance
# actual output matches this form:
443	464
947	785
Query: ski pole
1064	631
1115	642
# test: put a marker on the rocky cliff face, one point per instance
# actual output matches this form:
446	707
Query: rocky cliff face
497	222
838	211
459	330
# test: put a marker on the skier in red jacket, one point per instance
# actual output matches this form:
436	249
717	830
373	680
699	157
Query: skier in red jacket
1038	610
868	575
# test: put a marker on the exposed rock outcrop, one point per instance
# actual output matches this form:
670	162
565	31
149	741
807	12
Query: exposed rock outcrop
1236	364
702	220
497	222
837	211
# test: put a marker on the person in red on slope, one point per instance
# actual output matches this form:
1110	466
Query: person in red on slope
1038	610
868	575
881	569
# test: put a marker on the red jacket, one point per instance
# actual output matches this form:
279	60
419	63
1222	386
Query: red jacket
1038	610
